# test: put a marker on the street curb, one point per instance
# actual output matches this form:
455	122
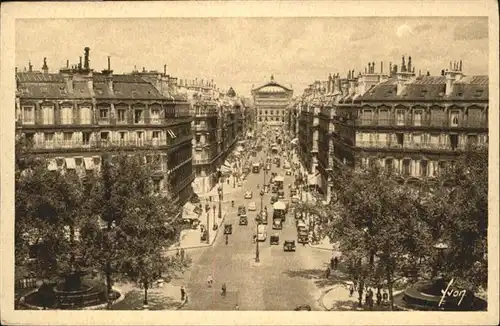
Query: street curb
318	248
201	245
320	299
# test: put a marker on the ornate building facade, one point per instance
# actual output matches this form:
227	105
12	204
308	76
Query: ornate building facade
412	125
74	115
219	121
271	102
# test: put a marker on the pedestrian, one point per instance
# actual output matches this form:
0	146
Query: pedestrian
332	263
177	254
182	254
237	307
209	281
183	293
328	272
223	289
379	297
370	296
335	263
385	297
351	290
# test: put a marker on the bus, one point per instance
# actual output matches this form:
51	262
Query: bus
256	168
261	232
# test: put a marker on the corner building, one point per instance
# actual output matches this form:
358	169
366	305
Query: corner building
73	116
413	125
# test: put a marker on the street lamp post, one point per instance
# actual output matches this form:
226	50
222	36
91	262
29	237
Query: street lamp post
221	197
440	247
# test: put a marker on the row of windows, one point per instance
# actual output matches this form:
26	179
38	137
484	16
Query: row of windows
408	167
67	115
272	112
47	140
419	117
271	119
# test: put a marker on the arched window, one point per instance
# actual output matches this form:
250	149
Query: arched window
265	112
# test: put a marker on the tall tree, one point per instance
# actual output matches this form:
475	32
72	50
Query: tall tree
138	222
48	209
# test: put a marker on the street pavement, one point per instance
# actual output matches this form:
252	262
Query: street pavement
281	281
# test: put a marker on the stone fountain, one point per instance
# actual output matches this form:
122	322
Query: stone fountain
71	292
427	295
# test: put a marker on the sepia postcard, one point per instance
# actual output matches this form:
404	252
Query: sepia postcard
249	163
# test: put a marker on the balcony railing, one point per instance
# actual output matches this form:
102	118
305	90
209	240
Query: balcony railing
471	123
408	145
63	144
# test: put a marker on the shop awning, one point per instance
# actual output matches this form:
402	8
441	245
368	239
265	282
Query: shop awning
89	163
279	205
70	163
52	164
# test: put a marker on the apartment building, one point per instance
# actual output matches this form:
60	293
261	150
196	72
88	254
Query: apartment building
218	122
412	125
72	116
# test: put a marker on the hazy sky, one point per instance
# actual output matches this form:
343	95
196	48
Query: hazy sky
241	52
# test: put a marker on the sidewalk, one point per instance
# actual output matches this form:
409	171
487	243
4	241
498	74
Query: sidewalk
227	189
167	297
337	298
191	238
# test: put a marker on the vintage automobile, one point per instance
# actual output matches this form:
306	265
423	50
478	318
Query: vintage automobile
289	245
248	195
274	239
281	194
242	210
293	191
228	228
252	206
243	220
261	218
277	224
274	198
288	172
302	238
295	199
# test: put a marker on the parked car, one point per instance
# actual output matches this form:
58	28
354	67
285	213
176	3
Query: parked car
243	220
228	228
288	172
295	199
274	198
261	218
248	195
274	239
289	245
252	206
242	210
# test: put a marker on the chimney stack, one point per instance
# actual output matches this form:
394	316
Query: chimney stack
80	64
365	68
403	66
30	66
67	63
165	70
87	60
390	68
409	64
45	68
381	67
460	65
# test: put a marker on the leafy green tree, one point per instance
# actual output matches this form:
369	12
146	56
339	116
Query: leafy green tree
47	213
138	223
